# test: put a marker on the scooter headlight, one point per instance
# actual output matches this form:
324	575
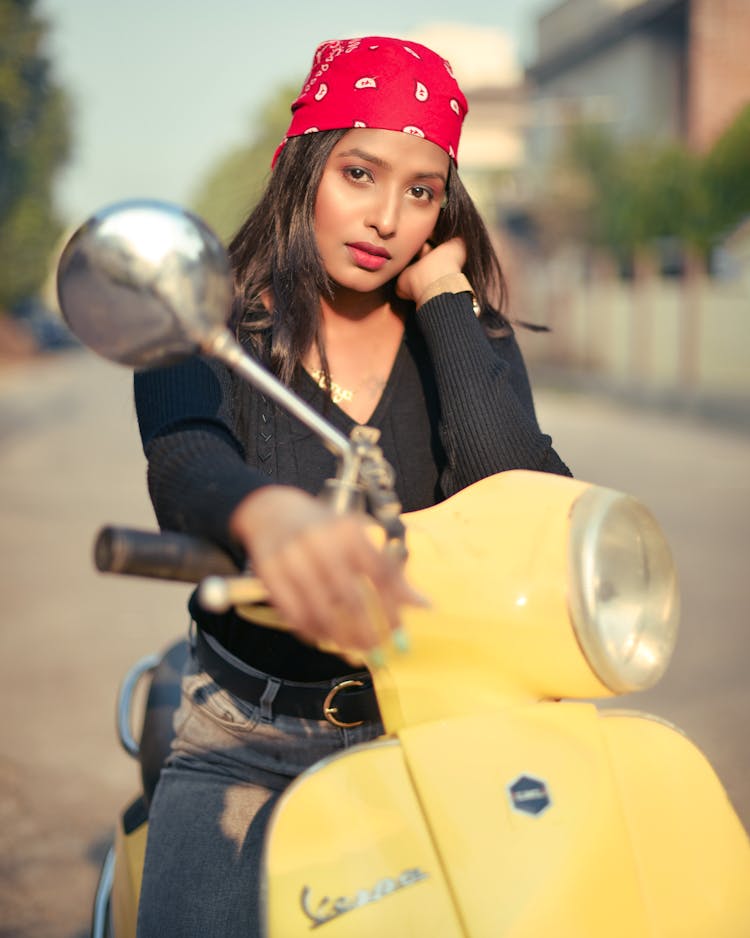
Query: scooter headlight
624	600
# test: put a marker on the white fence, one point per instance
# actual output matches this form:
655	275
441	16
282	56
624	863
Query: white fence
653	333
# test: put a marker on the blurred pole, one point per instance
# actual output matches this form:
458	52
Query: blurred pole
693	280
605	286
595	312
587	304
642	312
560	310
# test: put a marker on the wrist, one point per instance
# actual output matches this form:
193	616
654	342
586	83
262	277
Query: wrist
448	283
251	511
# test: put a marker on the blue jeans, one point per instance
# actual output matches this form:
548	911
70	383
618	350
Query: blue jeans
229	763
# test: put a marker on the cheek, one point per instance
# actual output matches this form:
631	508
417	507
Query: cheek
324	201
422	228
330	212
320	214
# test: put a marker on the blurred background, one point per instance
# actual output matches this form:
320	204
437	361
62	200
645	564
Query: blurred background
608	147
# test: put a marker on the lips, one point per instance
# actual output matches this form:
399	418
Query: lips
368	256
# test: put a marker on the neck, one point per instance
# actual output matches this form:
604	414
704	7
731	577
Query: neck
358	328
349	305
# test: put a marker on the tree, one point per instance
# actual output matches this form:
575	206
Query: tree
34	143
667	194
628	196
726	172
235	183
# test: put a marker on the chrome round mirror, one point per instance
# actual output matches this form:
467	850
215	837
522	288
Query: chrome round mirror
144	283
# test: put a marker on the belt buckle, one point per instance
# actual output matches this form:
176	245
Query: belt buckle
329	711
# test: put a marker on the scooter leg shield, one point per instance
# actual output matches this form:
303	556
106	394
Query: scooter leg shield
581	825
130	854
348	851
525	815
692	850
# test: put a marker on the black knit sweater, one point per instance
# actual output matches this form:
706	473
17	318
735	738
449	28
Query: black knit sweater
457	408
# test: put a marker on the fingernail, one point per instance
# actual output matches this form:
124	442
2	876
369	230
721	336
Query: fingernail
376	658
401	640
418	599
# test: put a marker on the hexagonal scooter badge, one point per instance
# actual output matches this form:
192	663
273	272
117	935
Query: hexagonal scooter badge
529	795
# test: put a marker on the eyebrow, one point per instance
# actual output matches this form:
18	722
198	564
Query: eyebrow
384	164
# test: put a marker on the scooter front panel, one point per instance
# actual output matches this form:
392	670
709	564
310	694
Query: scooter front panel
525	814
348	853
692	850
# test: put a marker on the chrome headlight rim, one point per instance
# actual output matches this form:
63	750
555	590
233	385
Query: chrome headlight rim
655	612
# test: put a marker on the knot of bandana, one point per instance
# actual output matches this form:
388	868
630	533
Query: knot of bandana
387	84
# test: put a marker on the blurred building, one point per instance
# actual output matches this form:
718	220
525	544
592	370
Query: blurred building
670	69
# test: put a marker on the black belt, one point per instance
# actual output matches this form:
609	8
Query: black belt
347	702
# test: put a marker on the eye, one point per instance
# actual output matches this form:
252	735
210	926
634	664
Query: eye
357	174
422	193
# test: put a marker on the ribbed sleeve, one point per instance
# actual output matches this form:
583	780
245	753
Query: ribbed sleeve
487	422
197	473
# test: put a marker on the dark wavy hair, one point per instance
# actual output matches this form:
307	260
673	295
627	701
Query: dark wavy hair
274	254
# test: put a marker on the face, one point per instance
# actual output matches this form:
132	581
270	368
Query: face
378	202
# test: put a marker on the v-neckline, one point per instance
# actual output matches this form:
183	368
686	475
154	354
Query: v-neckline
375	417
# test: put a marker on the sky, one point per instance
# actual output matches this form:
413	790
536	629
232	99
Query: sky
162	88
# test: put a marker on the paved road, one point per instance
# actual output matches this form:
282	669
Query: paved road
69	461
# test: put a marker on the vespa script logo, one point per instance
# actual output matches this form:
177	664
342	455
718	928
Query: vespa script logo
327	909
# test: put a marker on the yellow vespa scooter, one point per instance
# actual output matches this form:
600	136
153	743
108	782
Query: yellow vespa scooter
493	808
498	804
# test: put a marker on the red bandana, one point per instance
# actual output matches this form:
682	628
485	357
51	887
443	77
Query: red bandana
388	84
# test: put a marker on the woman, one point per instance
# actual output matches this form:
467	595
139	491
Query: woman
366	280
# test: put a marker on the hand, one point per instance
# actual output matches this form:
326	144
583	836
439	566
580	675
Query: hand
316	566
432	263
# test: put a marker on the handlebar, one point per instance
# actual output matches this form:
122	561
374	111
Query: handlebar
169	555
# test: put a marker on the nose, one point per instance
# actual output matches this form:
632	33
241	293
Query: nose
383	212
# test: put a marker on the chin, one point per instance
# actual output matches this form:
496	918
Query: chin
361	282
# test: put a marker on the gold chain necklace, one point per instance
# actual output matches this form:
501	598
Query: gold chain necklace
338	394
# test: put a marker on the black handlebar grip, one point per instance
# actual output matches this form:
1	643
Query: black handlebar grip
168	555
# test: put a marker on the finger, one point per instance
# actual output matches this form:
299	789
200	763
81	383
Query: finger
348	562
358	621
332	585
388	582
339	572
328	604
455	248
382	567
289	599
